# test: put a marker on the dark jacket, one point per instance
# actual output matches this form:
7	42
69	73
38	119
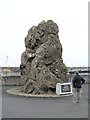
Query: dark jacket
78	81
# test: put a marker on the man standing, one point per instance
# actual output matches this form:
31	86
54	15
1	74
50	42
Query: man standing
77	82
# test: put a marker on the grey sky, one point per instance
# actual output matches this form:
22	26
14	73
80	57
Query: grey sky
17	16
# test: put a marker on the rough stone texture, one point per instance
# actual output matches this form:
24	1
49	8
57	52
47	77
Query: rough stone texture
41	63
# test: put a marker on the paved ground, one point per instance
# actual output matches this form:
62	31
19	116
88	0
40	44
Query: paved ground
22	107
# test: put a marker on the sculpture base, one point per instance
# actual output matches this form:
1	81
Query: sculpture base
17	92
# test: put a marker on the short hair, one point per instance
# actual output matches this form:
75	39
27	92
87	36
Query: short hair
76	72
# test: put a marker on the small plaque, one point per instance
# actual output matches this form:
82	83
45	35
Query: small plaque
63	88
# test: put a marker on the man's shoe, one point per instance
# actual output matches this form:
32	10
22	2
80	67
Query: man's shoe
74	102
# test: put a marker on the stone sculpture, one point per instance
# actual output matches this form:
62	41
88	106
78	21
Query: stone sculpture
41	63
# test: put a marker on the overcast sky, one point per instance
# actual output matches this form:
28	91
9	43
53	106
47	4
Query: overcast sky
17	16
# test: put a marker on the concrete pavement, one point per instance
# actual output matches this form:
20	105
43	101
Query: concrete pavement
23	107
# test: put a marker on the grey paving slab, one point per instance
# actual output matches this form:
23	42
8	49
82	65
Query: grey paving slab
23	107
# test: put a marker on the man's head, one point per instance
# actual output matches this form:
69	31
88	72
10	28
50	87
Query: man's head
77	73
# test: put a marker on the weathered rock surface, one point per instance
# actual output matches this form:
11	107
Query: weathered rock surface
41	63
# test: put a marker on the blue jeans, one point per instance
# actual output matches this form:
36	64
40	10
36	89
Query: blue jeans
77	94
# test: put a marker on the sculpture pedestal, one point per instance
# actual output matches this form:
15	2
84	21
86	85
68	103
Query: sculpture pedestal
17	92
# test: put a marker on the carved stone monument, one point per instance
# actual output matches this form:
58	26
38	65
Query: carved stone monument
41	63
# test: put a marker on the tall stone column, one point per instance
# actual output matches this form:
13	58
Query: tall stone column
41	63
